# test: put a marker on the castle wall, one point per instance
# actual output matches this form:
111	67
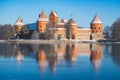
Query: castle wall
60	33
81	34
61	26
97	36
84	34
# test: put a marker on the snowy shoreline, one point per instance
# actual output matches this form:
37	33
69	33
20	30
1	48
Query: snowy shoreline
50	41
28	41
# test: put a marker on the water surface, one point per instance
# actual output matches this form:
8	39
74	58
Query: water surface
59	61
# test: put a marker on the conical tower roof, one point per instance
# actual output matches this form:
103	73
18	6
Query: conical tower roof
63	21
19	21
96	19
54	13
42	17
72	22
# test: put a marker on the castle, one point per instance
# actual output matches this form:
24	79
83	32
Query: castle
66	29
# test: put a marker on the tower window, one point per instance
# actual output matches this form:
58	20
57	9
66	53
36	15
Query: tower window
40	26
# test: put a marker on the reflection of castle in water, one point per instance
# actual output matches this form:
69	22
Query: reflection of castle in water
62	52
19	56
48	55
41	59
96	56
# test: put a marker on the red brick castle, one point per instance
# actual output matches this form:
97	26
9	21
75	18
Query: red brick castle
66	29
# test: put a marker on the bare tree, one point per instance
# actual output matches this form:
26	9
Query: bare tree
24	33
107	32
16	29
50	29
35	35
49	33
116	30
25	29
7	31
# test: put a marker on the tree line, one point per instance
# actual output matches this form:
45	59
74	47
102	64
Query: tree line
113	32
9	31
6	31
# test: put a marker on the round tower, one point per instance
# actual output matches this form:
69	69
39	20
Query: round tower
42	22
71	28
53	17
96	25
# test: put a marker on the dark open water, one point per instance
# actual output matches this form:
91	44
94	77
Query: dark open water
59	62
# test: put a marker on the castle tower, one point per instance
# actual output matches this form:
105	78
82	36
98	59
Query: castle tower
42	22
96	25
71	28
19	24
53	17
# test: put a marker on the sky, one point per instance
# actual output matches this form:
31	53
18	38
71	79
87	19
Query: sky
82	11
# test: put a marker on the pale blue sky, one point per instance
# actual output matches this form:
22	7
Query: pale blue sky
83	10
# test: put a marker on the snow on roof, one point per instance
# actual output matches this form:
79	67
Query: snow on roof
43	19
96	20
19	21
73	24
84	29
55	13
63	21
60	28
71	21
